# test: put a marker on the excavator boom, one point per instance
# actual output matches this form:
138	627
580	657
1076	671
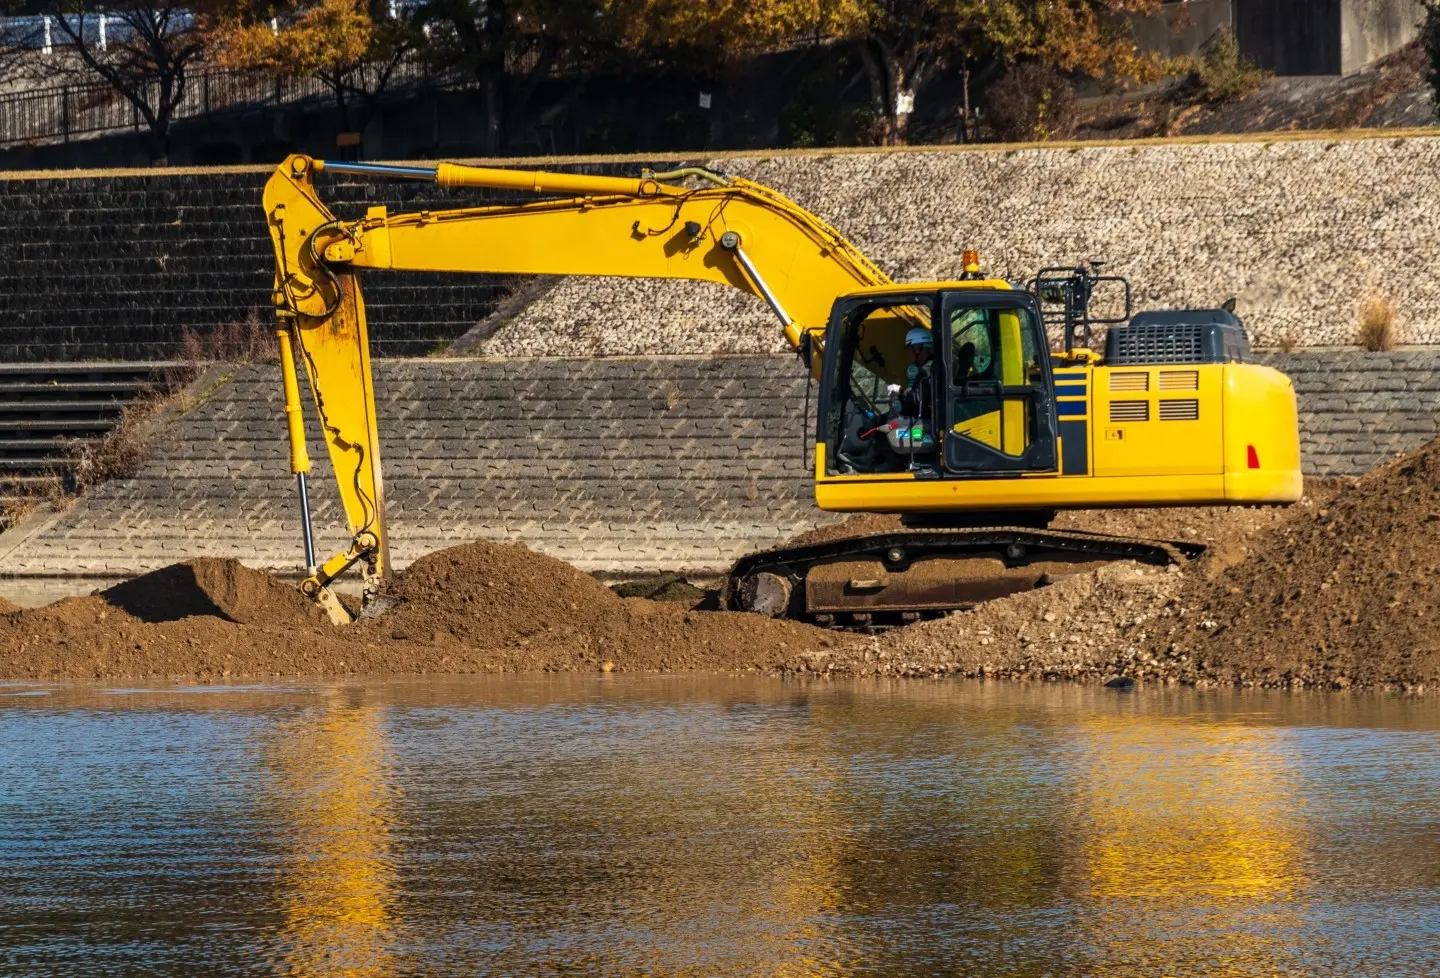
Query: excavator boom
724	230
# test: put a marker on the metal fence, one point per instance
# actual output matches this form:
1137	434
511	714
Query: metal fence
65	111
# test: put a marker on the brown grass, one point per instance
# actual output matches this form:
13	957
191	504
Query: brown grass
1288	340
1378	327
16	507
122	452
248	340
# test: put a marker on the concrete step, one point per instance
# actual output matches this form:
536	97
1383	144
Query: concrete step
46	407
93	406
21	426
127	389
26	485
56	463
41	447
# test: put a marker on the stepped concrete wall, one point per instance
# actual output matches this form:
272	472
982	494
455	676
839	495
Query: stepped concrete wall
615	465
119	264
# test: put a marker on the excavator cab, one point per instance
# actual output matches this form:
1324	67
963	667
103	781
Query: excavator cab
990	404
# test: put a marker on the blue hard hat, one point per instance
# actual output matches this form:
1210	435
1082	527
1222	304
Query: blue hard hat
919	336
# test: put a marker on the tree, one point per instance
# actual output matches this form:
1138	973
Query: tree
510	46
904	43
506	46
352	46
143	49
17	40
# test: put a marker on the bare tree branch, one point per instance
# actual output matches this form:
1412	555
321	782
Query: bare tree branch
142	49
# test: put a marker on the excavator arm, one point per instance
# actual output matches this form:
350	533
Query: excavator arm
722	229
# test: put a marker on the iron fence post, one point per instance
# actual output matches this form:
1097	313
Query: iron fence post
65	112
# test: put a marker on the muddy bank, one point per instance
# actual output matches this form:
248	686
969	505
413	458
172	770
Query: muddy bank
1333	593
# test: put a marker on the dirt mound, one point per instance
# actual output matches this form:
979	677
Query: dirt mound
474	608
1345	594
7	606
206	586
860	525
1088	627
504	607
1337	592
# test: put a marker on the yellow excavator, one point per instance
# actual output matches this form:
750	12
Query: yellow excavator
939	401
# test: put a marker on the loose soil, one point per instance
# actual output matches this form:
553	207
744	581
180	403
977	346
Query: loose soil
1336	592
1345	594
7	606
480	607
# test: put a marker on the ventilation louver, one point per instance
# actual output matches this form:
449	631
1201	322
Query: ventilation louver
1129	411
1180	410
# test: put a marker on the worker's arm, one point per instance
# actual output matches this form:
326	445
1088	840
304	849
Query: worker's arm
726	230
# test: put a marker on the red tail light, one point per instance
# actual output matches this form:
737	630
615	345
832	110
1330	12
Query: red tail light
1252	457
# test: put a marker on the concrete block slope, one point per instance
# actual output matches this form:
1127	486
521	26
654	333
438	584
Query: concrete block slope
616	465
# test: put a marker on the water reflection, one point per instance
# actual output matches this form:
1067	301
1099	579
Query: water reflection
1195	824
714	827
331	798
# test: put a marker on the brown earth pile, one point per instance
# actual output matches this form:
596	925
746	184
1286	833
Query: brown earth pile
474	608
1337	592
527	612
1345	594
1054	633
7	606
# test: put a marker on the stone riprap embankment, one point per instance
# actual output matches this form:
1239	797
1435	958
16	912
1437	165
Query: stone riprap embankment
614	465
1299	231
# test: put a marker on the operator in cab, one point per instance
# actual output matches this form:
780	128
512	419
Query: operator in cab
917	398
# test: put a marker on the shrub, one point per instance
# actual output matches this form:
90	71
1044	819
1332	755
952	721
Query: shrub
1222	73
1032	102
121	453
1378	328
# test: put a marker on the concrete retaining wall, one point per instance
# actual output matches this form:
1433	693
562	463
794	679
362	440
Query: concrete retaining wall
616	465
119	264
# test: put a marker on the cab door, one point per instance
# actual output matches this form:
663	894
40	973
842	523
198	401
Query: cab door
999	412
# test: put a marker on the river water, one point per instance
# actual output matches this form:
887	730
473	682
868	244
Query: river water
704	826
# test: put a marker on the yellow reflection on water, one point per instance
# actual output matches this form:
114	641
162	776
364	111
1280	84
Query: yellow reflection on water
1189	843
331	792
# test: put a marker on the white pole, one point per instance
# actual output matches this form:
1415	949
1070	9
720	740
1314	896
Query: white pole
48	40
102	32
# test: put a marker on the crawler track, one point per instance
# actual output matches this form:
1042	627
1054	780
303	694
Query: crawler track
901	576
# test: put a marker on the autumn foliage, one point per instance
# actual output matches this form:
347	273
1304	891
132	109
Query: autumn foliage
507	47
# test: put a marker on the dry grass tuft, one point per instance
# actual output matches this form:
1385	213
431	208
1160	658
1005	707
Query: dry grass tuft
121	453
1288	340
245	341
1378	327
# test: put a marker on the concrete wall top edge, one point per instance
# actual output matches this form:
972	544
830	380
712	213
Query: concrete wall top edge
1338	135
